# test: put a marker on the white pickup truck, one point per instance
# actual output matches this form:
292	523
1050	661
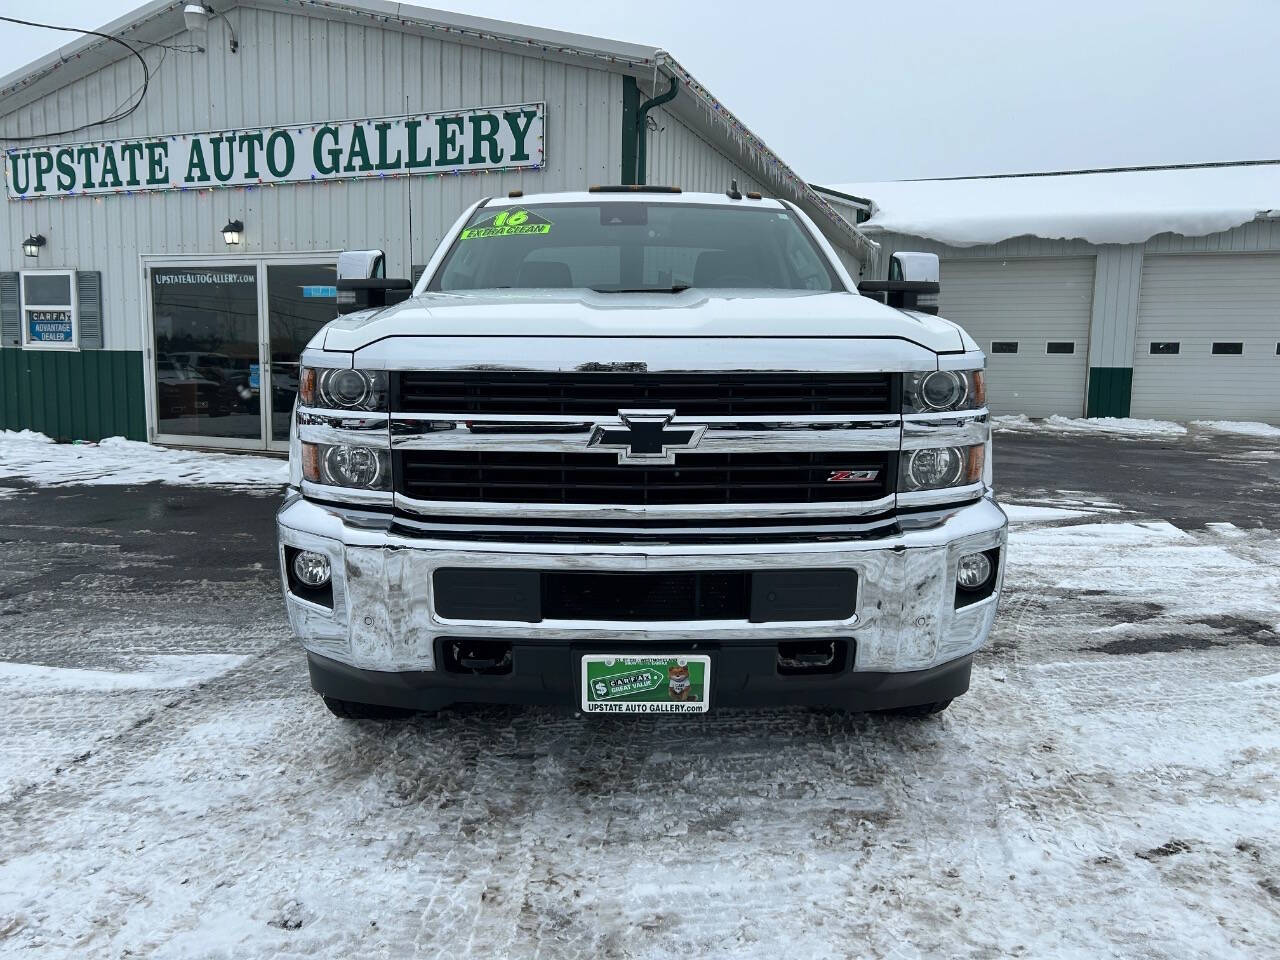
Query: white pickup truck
633	450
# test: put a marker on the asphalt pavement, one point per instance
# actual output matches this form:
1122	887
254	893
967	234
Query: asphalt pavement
170	787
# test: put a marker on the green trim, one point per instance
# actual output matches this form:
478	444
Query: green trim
1110	390
73	394
642	129
630	133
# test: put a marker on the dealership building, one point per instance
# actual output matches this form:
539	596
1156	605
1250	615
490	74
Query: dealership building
161	272
1151	292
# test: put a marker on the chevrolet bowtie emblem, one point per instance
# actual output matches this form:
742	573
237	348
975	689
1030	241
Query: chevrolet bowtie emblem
643	437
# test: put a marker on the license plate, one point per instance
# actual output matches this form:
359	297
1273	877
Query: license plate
612	683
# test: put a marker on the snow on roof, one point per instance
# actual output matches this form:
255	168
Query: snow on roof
1124	206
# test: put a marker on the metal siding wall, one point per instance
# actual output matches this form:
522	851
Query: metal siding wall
677	156
891	243
1114	321
299	69
1252	237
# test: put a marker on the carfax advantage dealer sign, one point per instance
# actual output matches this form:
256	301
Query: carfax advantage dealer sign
486	138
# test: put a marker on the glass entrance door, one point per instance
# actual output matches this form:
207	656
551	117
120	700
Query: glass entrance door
227	338
301	298
207	366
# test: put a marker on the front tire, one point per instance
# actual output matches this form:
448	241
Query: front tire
351	710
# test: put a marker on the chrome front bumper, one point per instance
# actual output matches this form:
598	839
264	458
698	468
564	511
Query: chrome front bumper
384	618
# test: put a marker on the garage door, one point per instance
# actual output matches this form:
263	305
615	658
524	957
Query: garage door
1031	317
1208	338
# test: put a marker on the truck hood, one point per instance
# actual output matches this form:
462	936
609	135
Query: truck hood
693	313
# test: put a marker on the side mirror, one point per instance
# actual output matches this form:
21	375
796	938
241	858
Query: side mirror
361	264
914	267
912	284
363	283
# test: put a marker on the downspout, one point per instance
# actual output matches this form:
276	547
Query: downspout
642	170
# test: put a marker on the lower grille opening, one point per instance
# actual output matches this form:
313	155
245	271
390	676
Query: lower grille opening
644	596
797	658
490	658
532	596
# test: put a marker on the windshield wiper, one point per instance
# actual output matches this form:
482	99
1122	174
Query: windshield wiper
674	288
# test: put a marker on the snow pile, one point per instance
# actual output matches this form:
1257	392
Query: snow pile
1121	426
30	456
1244	428
1125	207
1023	513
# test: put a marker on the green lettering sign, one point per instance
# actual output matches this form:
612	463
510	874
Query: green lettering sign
415	162
446	142
133	153
110	172
484	134
223	166
449	153
519	123
383	163
280	154
359	148
44	165
157	162
250	144
65	160
197	172
326	158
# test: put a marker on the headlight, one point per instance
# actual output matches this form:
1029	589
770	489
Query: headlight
342	388
937	391
936	468
346	465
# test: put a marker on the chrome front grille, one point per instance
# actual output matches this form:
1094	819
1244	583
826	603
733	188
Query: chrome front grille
594	393
715	479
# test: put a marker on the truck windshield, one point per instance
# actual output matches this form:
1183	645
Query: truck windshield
633	246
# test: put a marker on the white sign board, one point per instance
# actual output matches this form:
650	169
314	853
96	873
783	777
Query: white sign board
485	138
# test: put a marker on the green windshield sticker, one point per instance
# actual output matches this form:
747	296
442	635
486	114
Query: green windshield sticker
508	223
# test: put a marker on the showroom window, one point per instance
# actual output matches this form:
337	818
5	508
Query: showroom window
49	310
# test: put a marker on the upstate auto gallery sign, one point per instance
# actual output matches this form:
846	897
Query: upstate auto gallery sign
455	141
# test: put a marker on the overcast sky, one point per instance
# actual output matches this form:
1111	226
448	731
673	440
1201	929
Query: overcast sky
849	91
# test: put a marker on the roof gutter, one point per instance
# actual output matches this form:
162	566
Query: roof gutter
768	163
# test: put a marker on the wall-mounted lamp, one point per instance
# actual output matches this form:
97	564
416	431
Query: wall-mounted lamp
31	246
197	17
230	233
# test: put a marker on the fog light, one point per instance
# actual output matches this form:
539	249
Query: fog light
311	569
973	571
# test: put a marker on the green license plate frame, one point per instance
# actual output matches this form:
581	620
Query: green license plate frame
645	683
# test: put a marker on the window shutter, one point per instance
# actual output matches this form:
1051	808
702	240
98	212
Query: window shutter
10	312
89	305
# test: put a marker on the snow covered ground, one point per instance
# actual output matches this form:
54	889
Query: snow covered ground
31	456
170	788
1131	427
